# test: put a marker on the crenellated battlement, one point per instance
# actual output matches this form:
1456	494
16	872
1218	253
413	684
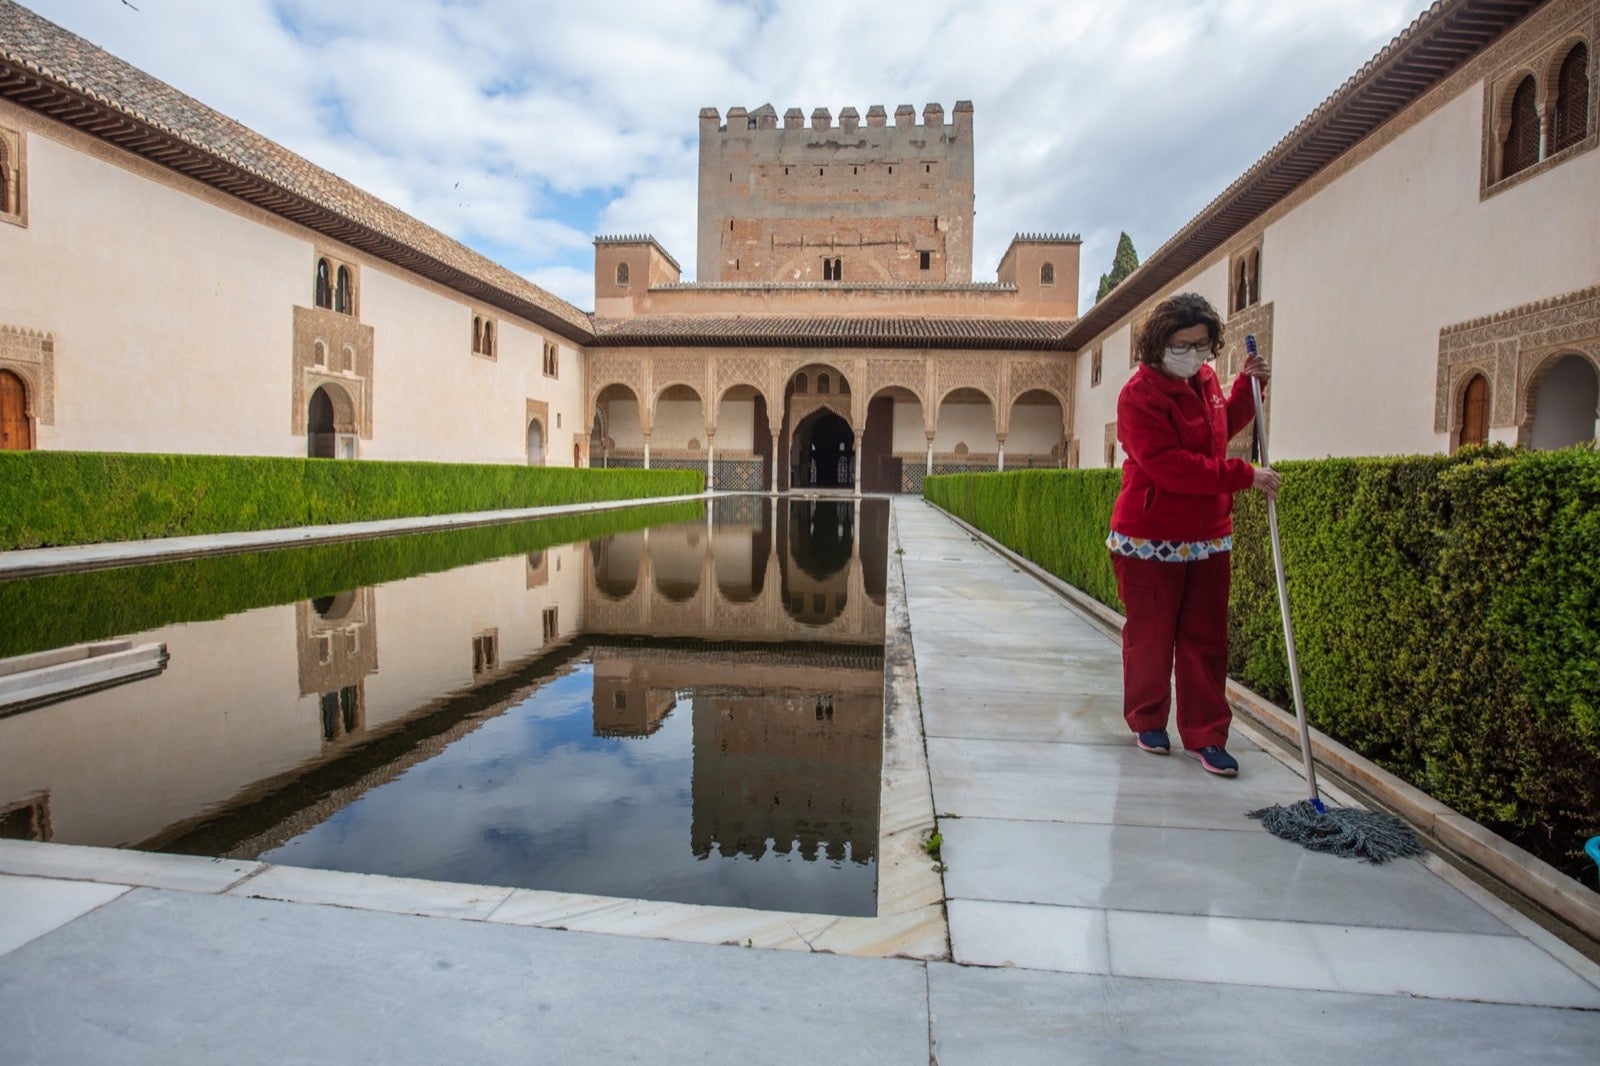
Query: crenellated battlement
765	118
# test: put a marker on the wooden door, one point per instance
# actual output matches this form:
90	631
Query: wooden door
1475	412
16	434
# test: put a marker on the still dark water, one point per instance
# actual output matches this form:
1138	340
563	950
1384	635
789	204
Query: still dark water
688	710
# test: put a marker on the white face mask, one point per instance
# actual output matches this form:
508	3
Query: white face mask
1182	364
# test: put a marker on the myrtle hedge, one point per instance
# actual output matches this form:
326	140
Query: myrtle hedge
64	609
1446	615
52	498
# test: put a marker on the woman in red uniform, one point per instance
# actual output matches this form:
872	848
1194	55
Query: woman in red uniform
1171	528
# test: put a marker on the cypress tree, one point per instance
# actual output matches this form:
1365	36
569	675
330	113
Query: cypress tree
1125	262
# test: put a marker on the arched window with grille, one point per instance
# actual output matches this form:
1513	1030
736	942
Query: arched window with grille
1475	412
343	293
1254	276
1522	137
488	338
323	296
1239	286
5	179
1570	124
1047	274
824	386
477	335
801	384
622	273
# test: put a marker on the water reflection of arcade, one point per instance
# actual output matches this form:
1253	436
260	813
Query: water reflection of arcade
788	740
760	568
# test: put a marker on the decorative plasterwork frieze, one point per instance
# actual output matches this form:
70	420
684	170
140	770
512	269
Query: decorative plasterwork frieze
30	354
1513	349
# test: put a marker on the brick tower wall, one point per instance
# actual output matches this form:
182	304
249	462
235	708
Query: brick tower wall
779	200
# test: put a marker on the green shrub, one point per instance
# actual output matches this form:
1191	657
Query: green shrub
1446	615
65	609
50	498
1057	518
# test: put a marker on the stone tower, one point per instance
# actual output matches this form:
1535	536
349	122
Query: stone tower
855	203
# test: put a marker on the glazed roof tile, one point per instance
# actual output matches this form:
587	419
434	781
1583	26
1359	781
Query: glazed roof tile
831	331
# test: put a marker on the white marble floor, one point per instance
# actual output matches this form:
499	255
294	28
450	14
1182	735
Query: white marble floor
1067	849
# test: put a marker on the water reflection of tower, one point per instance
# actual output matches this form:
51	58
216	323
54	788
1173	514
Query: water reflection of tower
337	646
815	548
792	754
629	701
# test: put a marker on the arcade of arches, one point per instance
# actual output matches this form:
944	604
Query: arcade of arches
849	421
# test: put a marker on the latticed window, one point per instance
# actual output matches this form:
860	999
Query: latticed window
323	297
1095	368
622	273
5	178
1522	139
343	293
1047	274
1475	412
1571	121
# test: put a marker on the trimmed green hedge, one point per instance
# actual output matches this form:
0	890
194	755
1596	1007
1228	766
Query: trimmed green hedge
65	609
1057	518
1446	609
50	498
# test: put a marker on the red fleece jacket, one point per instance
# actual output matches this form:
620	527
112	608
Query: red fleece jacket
1177	482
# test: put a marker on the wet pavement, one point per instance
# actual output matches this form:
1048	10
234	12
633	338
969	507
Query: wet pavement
1102	905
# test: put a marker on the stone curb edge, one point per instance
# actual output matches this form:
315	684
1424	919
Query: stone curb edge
1515	867
106	555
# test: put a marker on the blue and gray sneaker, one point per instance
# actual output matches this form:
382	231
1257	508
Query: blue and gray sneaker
1154	741
1216	760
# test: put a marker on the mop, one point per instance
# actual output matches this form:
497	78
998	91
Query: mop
1349	832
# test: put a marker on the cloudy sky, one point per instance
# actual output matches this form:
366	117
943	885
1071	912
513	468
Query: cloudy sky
523	128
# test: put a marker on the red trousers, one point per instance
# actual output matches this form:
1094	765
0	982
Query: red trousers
1176	611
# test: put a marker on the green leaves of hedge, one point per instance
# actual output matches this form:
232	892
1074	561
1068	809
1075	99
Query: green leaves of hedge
50	498
1446	614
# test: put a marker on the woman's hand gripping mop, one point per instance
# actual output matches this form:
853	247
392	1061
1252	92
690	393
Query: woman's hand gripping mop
1375	836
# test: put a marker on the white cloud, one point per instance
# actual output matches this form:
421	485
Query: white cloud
524	128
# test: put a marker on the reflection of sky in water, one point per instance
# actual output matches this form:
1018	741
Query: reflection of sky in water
533	798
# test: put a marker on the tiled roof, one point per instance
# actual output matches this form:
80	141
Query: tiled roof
831	331
1438	42
51	71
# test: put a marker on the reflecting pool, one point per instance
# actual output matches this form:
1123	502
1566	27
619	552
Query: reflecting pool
679	705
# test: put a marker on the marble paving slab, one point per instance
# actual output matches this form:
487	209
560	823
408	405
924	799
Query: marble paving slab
994	1017
1101	783
30	907
1196	872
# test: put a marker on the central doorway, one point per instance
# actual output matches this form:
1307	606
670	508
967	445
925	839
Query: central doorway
825	451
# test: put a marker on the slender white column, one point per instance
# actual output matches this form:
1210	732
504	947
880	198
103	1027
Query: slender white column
774	464
856	464
647	451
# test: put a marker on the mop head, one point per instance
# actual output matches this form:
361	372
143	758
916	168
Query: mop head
1347	832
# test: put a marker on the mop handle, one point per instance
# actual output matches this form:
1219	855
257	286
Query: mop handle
1283	594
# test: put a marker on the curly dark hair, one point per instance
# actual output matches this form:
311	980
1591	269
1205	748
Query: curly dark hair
1172	314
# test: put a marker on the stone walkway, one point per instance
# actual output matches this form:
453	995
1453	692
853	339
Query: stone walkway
1104	905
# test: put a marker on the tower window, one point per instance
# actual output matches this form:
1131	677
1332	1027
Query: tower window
1047	274
622	271
344	296
323	296
926	260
